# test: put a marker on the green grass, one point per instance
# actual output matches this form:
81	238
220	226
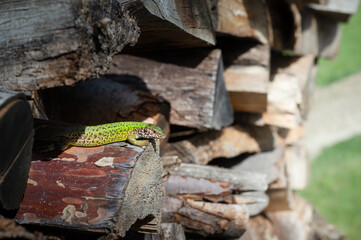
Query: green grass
335	188
348	60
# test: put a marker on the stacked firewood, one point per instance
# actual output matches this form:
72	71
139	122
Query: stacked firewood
230	83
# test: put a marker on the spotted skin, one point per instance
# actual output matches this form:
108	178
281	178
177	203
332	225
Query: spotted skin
91	136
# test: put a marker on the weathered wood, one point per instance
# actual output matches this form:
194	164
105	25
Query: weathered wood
304	69
101	189
241	18
284	96
169	231
47	44
280	193
241	180
207	218
264	162
320	36
247	72
297	166
293	224
227	143
190	80
213	201
172	24
303	31
16	141
339	10
259	228
285	22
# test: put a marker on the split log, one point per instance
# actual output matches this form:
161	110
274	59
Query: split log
321	35
247	73
78	39
190	80
267	162
285	20
259	228
47	44
340	11
102	189
227	143
294	224
172	24
304	69
243	19
297	166
284	96
303	31
280	193
16	141
213	201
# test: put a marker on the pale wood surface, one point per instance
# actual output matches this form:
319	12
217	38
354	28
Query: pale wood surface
247	73
241	18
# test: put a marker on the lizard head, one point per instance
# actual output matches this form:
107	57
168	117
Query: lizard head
151	131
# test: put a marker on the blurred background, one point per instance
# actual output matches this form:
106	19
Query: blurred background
334	135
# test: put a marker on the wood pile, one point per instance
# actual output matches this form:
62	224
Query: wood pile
230	83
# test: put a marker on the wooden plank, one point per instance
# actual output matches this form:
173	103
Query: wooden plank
247	72
16	141
241	18
102	189
230	142
190	80
47	44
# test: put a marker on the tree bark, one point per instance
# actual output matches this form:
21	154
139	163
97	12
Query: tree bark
47	44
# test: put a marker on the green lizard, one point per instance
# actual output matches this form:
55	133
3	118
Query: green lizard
64	135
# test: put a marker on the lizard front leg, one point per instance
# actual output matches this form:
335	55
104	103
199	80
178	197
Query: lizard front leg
132	139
